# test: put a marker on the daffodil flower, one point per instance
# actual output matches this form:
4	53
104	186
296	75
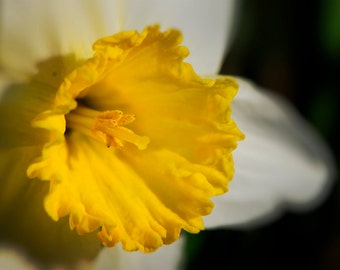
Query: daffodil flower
123	145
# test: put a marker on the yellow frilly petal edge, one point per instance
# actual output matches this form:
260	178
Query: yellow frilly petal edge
141	199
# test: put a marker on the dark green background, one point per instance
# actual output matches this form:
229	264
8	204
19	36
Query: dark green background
292	47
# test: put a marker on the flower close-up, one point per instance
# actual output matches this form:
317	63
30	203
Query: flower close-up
111	140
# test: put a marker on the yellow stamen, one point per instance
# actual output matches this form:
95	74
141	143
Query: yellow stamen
106	127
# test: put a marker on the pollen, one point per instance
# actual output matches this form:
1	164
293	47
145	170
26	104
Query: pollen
107	126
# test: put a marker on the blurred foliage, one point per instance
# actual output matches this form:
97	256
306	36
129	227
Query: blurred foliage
291	47
329	27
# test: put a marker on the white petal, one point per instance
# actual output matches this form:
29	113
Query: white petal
166	258
33	30
11	259
282	163
207	26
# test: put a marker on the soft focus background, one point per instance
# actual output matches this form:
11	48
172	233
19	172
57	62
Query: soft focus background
292	47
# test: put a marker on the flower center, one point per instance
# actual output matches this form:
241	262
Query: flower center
141	199
106	127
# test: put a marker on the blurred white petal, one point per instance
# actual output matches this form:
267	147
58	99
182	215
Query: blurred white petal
166	258
207	26
282	163
33	30
10	259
